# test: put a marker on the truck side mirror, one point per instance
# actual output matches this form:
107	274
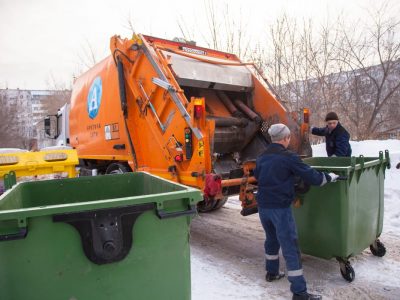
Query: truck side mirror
47	126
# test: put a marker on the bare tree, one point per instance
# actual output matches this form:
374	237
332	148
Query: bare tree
213	25
287	63
56	100
10	135
87	57
130	23
58	96
187	31
376	88
353	70
224	32
333	69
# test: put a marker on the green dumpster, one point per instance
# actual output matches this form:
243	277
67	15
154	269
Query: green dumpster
106	237
342	219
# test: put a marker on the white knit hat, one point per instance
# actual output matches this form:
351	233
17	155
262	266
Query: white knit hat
278	132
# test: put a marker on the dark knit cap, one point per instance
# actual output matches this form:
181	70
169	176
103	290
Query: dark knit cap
331	116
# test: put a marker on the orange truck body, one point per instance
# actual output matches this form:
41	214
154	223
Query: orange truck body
175	110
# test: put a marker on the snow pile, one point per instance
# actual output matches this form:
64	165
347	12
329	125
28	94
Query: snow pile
367	148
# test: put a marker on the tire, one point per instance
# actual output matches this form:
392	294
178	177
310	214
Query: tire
220	203
347	272
118	168
378	248
206	205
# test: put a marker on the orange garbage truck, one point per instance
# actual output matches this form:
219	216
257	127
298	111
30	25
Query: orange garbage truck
185	113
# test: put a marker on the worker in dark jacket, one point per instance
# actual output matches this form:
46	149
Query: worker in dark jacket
336	136
276	170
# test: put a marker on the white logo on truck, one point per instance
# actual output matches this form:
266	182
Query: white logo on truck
94	98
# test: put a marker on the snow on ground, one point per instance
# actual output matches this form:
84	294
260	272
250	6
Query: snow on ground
227	251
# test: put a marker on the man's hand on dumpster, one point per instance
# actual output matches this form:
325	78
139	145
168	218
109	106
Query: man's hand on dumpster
333	177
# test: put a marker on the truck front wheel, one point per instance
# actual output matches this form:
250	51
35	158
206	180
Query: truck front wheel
117	168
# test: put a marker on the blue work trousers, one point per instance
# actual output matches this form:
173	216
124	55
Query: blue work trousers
281	232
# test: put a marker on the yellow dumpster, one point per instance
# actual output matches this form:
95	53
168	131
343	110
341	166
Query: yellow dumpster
32	165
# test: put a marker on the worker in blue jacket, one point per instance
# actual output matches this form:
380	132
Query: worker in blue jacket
336	136
276	171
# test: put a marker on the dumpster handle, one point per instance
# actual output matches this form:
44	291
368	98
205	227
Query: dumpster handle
10	179
342	178
162	214
387	157
21	234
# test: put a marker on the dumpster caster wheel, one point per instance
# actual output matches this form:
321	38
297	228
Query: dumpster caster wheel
347	270
377	248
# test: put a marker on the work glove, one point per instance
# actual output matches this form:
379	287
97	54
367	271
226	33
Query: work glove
333	177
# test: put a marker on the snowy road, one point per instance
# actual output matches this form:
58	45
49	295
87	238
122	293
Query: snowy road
228	263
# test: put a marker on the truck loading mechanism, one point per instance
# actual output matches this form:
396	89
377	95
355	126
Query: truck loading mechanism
189	114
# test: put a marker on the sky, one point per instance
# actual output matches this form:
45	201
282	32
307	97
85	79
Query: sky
45	43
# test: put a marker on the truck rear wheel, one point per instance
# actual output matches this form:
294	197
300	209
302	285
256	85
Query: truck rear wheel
220	203
208	205
117	168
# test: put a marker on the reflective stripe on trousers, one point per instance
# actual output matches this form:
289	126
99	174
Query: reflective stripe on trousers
295	273
271	257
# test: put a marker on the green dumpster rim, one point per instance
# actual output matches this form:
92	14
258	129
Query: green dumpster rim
358	166
192	194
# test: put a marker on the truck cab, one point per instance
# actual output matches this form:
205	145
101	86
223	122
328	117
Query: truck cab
57	126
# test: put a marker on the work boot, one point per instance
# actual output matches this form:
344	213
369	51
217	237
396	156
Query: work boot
269	277
306	296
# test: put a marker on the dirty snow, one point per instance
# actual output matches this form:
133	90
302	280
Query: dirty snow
227	251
